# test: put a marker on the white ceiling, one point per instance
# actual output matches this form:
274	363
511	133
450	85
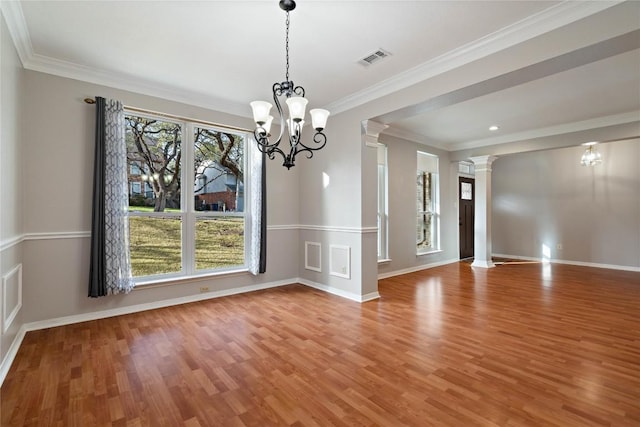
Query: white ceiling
224	54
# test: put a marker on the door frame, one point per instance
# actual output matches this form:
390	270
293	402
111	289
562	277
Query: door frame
471	179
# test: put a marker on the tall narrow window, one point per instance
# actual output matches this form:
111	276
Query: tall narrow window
382	203
428	203
186	203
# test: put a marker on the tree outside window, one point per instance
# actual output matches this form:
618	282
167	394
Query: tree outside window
427	203
190	218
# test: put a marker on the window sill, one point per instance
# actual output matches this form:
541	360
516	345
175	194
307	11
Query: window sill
384	261
178	280
436	251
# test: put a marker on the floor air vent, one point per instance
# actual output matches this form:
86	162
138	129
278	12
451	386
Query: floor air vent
376	56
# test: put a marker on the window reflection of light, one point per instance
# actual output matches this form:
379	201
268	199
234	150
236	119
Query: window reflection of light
546	273
546	253
429	299
325	180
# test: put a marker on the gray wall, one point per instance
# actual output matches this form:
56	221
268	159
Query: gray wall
57	171
330	206
11	211
402	164
548	198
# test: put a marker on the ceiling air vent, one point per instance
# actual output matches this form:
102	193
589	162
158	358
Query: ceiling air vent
376	56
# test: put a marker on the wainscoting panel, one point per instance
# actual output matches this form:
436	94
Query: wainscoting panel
340	261
11	296
313	256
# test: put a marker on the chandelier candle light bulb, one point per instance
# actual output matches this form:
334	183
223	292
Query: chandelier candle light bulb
297	104
319	118
261	111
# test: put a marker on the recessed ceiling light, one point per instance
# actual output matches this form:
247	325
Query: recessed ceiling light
493	128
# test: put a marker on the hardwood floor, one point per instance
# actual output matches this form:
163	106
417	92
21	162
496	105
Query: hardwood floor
517	345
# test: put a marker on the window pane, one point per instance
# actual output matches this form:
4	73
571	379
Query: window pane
155	245
427	205
466	192
423	236
218	171
154	147
219	242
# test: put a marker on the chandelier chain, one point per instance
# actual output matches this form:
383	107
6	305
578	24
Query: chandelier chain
287	48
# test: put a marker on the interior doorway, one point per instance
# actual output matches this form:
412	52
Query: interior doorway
466	201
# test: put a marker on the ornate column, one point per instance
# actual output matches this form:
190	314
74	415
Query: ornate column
372	132
482	220
369	195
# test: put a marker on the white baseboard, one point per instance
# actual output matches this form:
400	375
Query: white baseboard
339	292
11	354
85	317
370	296
416	268
568	262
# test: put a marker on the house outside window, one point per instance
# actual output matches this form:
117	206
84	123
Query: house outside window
135	189
186	210
427	203
134	168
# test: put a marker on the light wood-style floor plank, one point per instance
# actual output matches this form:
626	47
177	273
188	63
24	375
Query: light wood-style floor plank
517	345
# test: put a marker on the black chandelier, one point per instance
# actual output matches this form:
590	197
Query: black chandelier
297	104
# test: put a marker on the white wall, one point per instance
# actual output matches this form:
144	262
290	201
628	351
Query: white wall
58	171
11	211
548	198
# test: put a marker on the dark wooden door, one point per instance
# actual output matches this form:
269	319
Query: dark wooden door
466	201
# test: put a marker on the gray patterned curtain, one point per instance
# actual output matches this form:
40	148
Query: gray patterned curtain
110	268
258	176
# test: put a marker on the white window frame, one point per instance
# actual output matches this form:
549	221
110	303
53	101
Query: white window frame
188	214
434	209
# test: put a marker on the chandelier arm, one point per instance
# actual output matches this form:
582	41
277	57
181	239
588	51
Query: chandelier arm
264	146
319	138
277	92
262	140
298	90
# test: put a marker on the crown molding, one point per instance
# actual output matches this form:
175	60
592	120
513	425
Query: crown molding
599	122
613	120
545	21
123	81
415	137
17	25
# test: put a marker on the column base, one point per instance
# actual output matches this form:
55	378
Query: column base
482	263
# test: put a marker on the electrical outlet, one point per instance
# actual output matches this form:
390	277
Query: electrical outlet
559	246
344	270
204	289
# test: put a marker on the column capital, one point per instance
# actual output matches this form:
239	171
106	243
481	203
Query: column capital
372	132
483	163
